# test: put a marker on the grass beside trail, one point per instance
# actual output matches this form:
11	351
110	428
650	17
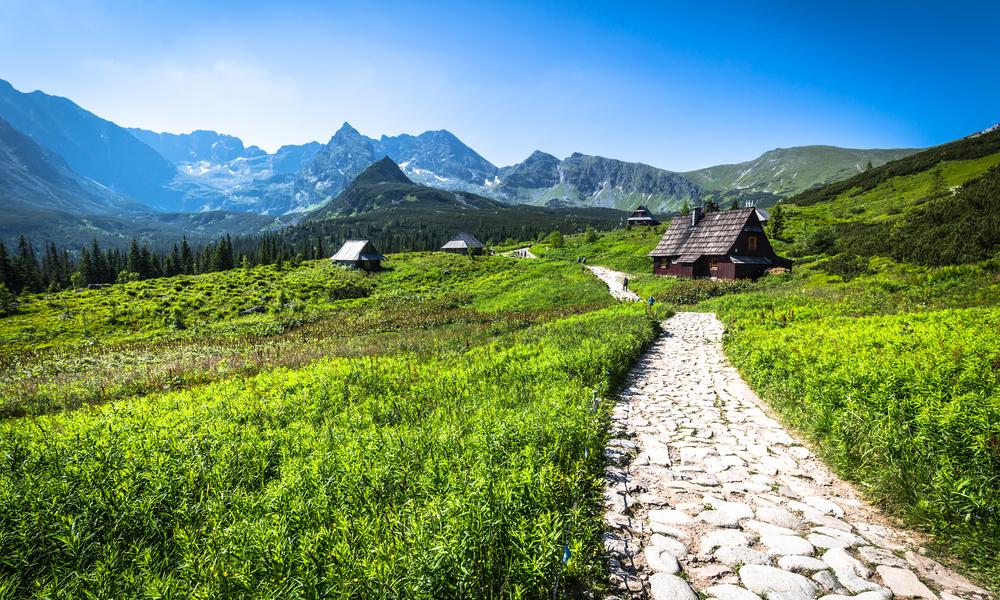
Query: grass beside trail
896	378
82	347
459	476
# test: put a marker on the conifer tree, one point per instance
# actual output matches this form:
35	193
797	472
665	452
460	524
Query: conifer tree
134	257
187	257
6	269
776	224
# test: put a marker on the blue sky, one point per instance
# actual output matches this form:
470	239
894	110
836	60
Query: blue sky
676	85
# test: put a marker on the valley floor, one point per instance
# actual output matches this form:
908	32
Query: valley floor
708	496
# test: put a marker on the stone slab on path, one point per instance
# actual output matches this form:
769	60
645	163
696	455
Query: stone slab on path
743	509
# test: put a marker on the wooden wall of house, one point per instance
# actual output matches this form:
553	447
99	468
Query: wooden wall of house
745	271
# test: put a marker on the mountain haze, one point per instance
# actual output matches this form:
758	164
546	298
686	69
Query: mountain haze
92	146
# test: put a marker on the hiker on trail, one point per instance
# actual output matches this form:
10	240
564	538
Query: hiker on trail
584	260
625	284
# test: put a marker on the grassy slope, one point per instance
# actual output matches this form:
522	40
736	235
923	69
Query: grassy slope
787	171
885	202
460	476
623	250
893	376
443	439
96	345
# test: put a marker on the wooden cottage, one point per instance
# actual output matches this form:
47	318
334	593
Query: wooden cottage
642	216
464	243
728	244
358	254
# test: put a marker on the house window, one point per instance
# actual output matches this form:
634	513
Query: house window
714	265
752	242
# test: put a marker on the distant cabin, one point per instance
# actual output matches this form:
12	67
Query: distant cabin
728	244
358	254
464	243
642	216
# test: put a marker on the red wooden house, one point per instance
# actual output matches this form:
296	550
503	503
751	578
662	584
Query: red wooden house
727	244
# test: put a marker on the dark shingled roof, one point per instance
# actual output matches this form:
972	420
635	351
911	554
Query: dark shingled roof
714	234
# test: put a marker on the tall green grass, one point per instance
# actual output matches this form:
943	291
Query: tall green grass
75	348
404	476
905	404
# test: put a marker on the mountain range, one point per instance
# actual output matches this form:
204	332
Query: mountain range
40	195
97	167
383	203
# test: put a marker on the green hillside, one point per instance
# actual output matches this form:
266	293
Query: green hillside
788	171
895	210
214	434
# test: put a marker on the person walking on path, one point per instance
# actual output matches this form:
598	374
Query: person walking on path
625	284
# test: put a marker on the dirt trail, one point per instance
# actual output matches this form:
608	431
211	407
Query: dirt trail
707	496
614	280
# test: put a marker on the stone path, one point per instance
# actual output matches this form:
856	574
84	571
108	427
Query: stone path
707	496
614	280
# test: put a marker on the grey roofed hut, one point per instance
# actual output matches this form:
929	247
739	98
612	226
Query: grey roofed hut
464	243
358	254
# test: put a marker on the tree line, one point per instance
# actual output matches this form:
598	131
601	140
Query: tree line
26	269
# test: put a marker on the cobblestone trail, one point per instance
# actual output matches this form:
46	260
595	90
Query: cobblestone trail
615	281
709	496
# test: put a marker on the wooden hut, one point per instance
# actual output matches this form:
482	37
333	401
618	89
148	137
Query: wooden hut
643	217
464	243
728	244
358	254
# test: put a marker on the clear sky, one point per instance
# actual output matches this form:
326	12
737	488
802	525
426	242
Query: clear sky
679	85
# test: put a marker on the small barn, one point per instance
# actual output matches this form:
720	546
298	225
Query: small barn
358	254
728	244
642	216
464	243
